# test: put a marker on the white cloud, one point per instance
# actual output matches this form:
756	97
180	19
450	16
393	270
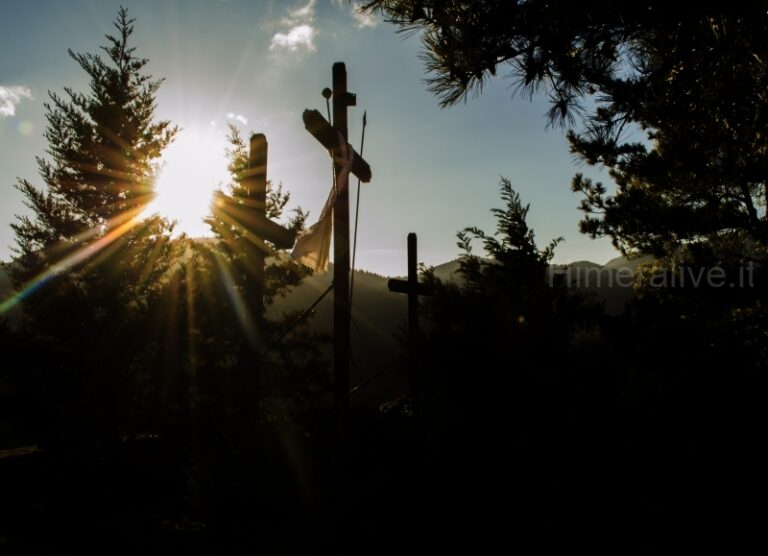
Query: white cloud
363	19
239	117
301	33
304	13
299	36
10	97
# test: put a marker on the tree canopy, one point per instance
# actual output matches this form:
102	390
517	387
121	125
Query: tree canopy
672	102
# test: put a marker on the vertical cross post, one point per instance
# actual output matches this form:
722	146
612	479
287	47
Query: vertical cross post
413	283
334	138
341	100
255	183
257	192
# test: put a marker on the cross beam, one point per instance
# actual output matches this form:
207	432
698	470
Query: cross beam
254	222
329	138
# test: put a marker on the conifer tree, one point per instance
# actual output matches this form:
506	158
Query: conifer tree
671	102
88	261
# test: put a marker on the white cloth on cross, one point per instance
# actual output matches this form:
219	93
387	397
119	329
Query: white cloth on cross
314	244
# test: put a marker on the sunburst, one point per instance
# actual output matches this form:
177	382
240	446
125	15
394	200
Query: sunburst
194	166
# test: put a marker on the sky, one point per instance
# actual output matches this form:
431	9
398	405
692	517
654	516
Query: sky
259	64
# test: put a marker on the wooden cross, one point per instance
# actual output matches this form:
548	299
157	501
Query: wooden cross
330	137
250	215
412	287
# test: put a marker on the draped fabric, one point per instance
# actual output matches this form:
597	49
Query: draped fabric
314	244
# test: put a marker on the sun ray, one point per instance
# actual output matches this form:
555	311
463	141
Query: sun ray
122	225
151	259
238	303
237	219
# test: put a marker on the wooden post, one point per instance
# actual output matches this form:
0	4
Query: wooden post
341	341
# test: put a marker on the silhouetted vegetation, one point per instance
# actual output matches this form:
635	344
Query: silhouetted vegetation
671	101
148	403
154	394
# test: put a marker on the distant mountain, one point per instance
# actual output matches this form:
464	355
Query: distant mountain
623	262
609	284
448	271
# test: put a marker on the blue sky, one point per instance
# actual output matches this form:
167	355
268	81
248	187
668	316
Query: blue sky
260	64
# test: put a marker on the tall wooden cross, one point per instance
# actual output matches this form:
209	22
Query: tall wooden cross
331	137
414	289
249	214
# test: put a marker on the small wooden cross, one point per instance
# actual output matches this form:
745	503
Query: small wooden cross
412	287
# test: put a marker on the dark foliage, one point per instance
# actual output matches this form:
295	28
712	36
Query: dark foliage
671	101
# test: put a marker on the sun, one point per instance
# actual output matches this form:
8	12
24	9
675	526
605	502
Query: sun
194	166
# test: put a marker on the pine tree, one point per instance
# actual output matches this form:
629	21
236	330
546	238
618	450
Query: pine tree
690	83
88	261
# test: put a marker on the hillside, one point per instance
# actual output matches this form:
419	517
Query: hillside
378	316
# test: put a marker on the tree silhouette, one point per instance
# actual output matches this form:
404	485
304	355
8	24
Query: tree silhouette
504	307
700	95
693	81
89	263
505	355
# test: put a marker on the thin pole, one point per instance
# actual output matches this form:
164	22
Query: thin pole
357	216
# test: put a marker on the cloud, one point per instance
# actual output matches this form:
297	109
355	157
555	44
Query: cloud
10	97
299	36
363	19
301	33
239	117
